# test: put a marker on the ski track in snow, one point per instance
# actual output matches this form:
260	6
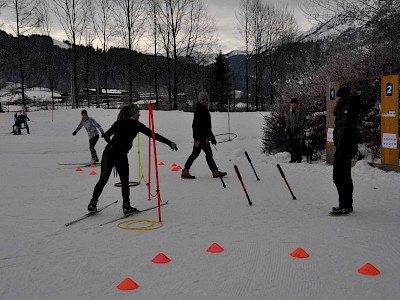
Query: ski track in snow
41	259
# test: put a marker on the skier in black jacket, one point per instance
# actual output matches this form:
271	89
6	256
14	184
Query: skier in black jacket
123	132
345	139
201	132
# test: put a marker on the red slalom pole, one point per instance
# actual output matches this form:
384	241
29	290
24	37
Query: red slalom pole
155	161
149	156
241	181
283	176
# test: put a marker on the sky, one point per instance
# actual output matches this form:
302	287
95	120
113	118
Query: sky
223	11
41	259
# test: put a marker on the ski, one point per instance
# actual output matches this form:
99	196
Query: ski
135	213
89	214
80	164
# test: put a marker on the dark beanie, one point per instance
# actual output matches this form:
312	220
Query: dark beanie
84	112
343	92
294	100
203	95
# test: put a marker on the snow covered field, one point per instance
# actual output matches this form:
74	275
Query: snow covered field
40	259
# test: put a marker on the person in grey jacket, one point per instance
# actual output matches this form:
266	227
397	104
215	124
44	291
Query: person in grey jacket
294	129
92	128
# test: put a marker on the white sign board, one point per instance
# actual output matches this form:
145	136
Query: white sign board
389	141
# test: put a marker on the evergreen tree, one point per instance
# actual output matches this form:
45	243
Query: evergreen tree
219	80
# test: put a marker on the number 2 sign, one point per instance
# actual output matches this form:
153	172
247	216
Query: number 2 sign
389	89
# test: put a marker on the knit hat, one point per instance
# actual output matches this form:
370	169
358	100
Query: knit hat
84	112
203	95
294	100
343	92
134	109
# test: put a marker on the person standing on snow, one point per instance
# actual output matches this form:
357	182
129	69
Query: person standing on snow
294	129
123	132
91	127
201	132
345	140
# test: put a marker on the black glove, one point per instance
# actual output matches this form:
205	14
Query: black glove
173	146
74	133
213	141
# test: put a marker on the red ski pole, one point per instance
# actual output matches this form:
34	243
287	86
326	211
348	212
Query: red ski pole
283	176
241	181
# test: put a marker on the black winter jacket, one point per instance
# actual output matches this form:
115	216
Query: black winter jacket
123	132
345	132
201	123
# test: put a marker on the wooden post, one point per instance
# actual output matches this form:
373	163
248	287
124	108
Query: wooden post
331	89
390	120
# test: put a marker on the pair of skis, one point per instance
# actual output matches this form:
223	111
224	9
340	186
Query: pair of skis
87	215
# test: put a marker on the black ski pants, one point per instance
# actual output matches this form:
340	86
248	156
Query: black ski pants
110	159
295	149
196	152
92	143
343	181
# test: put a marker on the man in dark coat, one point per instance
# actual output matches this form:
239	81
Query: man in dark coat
202	133
345	139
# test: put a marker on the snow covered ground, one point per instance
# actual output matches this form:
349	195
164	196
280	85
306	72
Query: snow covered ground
40	259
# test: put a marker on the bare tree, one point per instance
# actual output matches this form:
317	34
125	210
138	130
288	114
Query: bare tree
243	17
73	15
264	27
45	28
184	28
27	19
104	30
130	19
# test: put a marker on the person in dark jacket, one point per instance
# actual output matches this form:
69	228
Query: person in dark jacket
119	140
202	133
294	129
92	128
346	146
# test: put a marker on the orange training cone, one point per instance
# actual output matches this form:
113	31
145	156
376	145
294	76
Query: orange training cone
299	253
175	169
92	173
78	170
215	248
369	269
178	167
127	285
173	165
161	163
161	258
93	166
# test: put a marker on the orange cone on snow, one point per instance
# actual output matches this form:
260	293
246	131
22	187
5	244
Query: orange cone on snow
127	285
369	269
161	258
215	248
299	253
78	170
93	166
161	163
174	165
92	173
175	169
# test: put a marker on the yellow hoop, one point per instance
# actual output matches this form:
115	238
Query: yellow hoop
125	225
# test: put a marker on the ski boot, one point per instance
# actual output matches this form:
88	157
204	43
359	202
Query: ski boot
128	210
92	207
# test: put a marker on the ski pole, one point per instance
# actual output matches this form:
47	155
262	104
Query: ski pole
283	176
248	158
215	167
241	181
